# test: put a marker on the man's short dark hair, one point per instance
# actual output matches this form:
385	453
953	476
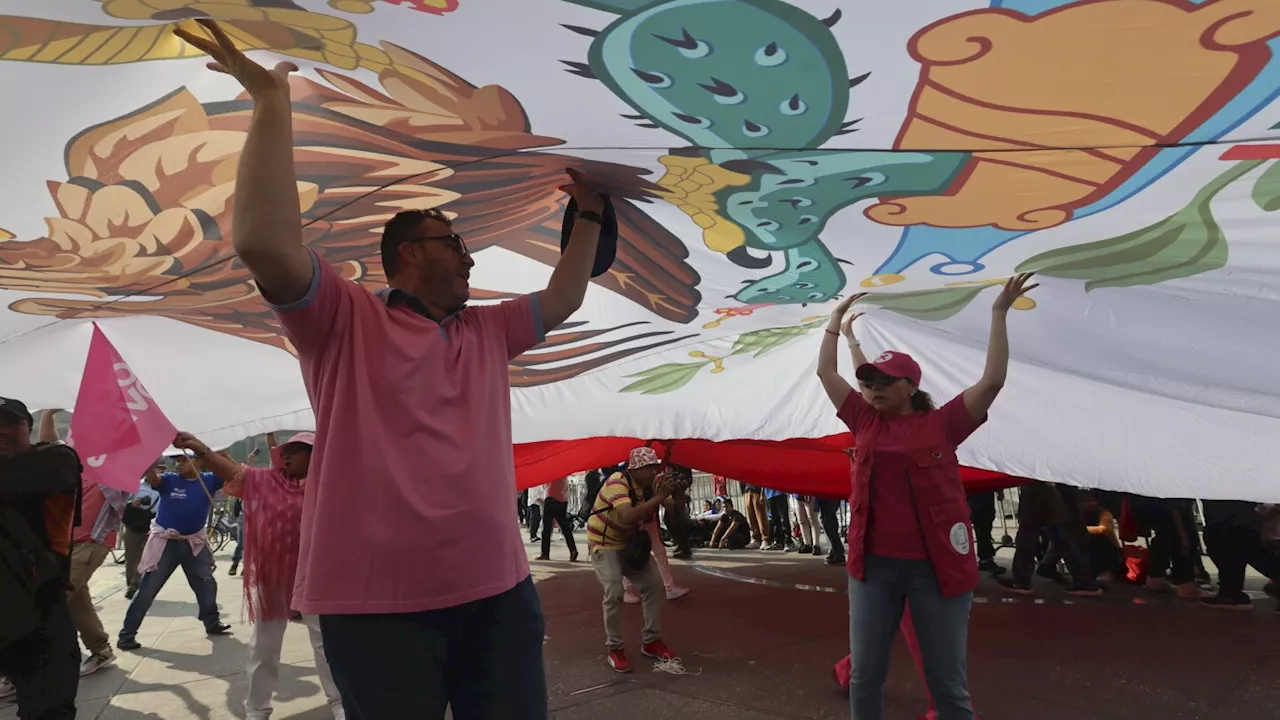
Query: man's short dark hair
401	229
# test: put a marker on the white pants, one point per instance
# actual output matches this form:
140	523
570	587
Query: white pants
659	553
264	667
810	522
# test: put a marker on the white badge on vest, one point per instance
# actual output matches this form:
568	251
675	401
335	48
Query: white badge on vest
960	538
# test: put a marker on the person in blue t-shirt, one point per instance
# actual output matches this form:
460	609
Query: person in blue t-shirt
179	541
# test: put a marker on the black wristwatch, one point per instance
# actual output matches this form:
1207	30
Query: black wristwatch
591	215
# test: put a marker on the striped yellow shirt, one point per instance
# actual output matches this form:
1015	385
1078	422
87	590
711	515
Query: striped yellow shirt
604	530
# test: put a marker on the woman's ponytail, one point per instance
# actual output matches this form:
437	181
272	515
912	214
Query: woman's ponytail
922	401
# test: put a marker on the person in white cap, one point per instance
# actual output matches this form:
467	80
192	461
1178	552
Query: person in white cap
612	531
273	528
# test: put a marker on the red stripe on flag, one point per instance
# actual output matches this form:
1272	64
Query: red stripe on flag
1252	152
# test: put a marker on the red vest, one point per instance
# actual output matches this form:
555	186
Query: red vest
940	508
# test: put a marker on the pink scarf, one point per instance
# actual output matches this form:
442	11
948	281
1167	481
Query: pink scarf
273	526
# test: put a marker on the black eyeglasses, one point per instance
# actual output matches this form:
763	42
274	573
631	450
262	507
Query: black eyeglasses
454	240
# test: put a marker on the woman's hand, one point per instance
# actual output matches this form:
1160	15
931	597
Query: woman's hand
847	327
1014	288
838	322
259	81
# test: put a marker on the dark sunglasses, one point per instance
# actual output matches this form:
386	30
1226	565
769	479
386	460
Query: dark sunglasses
878	383
454	240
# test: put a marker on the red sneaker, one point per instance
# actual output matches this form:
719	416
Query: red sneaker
618	661
659	650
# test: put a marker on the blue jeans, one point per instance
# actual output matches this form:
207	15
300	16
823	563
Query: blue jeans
199	572
238	555
942	625
484	659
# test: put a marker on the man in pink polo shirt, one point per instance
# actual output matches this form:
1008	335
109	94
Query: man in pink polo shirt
409	554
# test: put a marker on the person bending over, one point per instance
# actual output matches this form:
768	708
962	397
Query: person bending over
616	518
732	531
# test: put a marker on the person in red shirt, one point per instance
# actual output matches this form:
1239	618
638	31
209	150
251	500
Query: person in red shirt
909	532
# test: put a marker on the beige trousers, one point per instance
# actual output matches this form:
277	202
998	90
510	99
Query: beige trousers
133	544
265	644
610	569
85	559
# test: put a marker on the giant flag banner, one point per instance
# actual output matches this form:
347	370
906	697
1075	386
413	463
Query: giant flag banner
117	427
769	158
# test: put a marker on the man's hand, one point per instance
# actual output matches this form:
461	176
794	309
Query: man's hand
259	81
663	489
568	285
582	194
187	441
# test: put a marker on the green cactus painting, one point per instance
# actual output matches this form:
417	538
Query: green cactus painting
757	87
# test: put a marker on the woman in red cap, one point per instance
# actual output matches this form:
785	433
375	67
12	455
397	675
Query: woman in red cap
909	533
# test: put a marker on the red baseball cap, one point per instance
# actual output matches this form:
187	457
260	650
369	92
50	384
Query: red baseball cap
894	364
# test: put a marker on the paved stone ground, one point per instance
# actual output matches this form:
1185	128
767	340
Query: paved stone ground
760	631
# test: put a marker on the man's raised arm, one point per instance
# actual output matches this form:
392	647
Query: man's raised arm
267	230
568	286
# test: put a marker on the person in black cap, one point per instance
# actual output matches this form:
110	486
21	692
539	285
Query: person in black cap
39	498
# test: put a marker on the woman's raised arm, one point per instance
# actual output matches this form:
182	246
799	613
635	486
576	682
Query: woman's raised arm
837	387
978	399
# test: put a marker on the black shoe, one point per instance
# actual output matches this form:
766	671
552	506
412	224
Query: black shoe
1082	590
835	560
683	555
128	644
1226	603
219	629
1051	574
234	566
990	566
573	556
805	549
543	557
130	592
1016	587
817	550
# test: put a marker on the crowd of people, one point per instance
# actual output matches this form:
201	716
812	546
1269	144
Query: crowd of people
416	361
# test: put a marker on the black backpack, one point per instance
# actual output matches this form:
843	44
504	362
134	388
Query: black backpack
138	519
27	568
639	545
